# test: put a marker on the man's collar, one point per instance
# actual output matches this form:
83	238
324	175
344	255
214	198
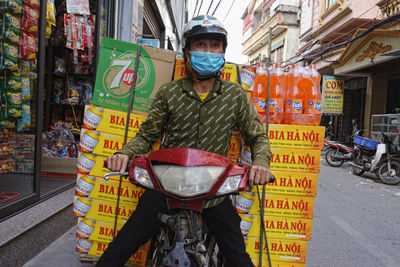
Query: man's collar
188	85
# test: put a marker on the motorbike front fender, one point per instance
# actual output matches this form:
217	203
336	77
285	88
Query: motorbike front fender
380	150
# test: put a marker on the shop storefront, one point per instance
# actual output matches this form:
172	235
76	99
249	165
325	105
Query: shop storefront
48	56
375	59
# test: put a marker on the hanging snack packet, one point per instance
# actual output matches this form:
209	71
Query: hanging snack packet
30	20
33	3
9	58
10	23
58	90
13	6
51	13
13	82
26	89
10	37
25	121
59	66
28	47
74	93
14	104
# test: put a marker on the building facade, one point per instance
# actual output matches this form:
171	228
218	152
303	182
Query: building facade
358	40
278	17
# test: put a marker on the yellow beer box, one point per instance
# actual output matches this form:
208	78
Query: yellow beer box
98	188
179	71
296	136
280	227
229	72
286	159
100	143
112	121
284	250
96	230
101	210
293	183
95	248
234	147
278	263
285	205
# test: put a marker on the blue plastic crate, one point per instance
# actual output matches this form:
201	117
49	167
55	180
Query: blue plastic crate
365	142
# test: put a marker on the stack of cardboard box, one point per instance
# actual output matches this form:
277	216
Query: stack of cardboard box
102	135
289	201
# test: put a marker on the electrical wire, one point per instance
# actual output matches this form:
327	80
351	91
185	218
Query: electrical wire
195	7
216	7
209	7
369	30
198	11
229	10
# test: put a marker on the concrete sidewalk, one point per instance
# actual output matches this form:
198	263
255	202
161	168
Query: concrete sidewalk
60	253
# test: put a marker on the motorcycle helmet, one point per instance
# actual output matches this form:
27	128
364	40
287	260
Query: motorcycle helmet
203	26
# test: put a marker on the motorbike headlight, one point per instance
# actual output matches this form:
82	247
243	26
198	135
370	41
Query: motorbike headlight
231	184
142	177
187	181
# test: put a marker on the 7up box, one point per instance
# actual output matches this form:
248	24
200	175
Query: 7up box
115	74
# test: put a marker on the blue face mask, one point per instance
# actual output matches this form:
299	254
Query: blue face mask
206	63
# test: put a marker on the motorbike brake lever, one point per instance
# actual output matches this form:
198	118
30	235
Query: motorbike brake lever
106	176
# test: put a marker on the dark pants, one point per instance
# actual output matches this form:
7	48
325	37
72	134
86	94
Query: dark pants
222	221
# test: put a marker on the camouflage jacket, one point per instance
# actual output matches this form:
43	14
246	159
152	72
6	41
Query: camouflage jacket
208	125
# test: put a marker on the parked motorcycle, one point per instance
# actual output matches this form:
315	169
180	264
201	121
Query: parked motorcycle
338	153
379	158
389	166
187	178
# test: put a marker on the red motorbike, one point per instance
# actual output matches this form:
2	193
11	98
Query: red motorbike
188	178
337	153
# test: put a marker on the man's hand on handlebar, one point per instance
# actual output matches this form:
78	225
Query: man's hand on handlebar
118	163
259	175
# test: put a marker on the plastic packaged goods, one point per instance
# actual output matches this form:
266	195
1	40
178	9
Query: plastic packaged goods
277	94
312	97
247	74
294	98
259	94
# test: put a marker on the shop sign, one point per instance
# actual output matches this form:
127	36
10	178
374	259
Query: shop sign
332	94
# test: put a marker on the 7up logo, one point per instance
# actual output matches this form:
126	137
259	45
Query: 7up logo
118	77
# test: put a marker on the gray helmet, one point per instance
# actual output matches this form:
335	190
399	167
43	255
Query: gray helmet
204	25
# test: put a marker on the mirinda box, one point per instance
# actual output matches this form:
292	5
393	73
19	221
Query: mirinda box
282	227
284	250
95	248
293	183
111	121
98	188
285	205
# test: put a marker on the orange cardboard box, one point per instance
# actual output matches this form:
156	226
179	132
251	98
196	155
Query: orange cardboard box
284	250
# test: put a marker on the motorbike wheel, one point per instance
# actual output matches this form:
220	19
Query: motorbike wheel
329	157
357	171
391	176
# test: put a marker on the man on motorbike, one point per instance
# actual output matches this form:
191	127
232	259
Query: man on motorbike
197	111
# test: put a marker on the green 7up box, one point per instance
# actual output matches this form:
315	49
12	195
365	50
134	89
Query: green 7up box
115	73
